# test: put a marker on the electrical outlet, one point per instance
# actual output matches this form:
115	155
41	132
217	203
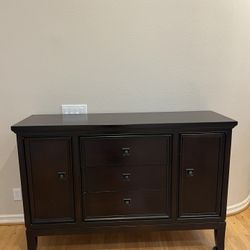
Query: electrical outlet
74	109
17	194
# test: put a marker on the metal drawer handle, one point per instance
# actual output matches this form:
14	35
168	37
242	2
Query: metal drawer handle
190	172
127	201
126	176
125	152
61	175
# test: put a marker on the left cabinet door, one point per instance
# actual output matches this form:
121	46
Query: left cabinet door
50	179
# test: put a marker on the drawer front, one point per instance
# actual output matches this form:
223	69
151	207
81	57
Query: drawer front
123	151
125	204
125	178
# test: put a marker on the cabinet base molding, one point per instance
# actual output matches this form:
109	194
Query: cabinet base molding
238	207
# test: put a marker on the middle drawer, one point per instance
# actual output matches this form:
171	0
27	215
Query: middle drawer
101	179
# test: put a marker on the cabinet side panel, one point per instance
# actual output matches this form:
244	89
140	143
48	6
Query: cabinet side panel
24	180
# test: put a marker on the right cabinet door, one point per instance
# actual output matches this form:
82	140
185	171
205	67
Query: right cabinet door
200	175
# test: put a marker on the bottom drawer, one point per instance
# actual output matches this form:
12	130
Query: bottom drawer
125	204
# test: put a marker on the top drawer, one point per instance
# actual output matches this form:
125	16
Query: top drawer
122	151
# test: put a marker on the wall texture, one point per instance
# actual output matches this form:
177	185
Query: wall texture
124	56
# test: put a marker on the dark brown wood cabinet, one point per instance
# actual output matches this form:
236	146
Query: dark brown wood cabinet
82	173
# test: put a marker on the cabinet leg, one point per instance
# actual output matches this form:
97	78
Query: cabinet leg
219	235
31	240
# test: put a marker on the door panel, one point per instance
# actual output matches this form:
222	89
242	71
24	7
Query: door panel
50	181
201	165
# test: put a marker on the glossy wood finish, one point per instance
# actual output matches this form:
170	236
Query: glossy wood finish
132	120
90	147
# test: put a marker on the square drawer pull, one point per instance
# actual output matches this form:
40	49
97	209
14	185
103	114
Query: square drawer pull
190	172
127	201
61	175
126	176
125	152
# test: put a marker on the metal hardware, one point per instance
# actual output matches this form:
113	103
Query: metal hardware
127	201
61	175
126	176
190	172
125	152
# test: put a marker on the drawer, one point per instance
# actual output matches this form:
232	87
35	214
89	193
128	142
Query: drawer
123	151
128	204
125	178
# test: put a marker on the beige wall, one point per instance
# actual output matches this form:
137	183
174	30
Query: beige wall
124	56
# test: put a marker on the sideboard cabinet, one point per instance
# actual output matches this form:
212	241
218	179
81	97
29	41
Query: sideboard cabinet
82	173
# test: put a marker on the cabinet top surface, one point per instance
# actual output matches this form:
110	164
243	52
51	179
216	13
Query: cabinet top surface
207	118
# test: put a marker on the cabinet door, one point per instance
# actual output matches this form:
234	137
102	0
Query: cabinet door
49	171
201	168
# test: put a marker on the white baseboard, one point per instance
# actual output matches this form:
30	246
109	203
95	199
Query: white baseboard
19	218
11	219
236	208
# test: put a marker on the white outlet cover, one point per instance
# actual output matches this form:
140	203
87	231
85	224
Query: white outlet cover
74	109
17	194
